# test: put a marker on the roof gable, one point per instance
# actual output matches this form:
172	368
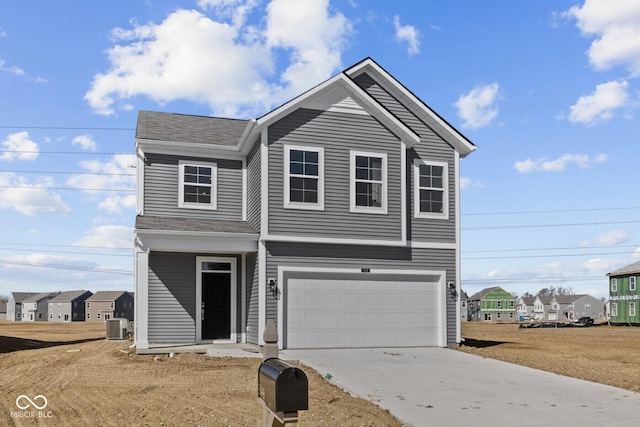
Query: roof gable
68	296
628	269
106	296
439	125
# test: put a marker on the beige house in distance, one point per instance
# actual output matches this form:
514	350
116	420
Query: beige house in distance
105	305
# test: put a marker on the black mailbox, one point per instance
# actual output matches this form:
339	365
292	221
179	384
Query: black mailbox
282	387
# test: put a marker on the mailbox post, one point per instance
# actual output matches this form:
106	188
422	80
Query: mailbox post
283	390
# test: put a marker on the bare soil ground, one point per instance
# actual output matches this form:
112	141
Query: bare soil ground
600	353
89	381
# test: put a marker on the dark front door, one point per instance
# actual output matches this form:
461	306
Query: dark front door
216	306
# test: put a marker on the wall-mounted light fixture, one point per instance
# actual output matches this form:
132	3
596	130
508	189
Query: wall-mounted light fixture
272	285
452	291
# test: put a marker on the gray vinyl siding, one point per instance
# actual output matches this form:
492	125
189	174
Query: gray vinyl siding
338	133
252	277
253	186
343	256
161	181
172	297
431	147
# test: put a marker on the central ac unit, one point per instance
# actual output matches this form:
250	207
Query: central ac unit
117	328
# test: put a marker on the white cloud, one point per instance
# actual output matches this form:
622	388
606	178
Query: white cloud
612	238
477	108
616	27
468	183
18	194
583	161
636	253
408	34
12	69
226	65
104	177
108	236
18	146
86	142
599	106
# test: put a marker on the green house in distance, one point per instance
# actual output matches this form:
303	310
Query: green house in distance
492	305
624	295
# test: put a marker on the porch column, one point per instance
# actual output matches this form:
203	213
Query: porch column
141	307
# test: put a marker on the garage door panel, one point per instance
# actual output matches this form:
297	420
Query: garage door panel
361	313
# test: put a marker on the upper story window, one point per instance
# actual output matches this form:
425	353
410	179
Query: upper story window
632	283
430	184
614	284
368	182
304	177
197	185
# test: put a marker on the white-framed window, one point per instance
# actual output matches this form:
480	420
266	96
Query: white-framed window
587	306
111	305
512	304
88	315
303	177
197	185
614	284
632	283
498	315
511	315
614	309
430	189
499	304
98	315
632	309
368	182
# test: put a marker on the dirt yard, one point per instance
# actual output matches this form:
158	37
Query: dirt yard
601	353
89	381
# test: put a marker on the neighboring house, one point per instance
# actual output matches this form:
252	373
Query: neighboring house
492	305
464	308
624	297
524	308
68	306
36	307
14	306
105	305
3	310
336	215
567	307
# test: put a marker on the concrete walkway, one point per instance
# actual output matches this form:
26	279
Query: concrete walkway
442	387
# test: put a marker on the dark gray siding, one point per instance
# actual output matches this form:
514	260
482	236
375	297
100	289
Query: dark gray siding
252	298
253	186
338	133
172	297
431	147
161	183
342	256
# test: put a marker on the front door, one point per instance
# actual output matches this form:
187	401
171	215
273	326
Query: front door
216	305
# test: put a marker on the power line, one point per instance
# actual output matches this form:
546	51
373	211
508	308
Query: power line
548	256
65	246
533	279
69	267
550	249
574	224
66	128
549	211
72	173
65	252
84	153
29	187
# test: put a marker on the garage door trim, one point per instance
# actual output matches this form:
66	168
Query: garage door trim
399	274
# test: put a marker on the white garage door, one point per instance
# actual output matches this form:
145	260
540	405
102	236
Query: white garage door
333	313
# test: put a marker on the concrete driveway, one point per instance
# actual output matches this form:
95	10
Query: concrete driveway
443	387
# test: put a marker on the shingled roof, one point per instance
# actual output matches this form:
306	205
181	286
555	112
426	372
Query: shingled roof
629	269
203	225
188	128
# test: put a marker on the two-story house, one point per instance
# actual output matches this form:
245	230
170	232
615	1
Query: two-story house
36	307
624	295
105	305
336	215
68	306
524	308
492	305
14	305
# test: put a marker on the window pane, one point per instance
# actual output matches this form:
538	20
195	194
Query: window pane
216	266
376	195
296	168
296	156
311	169
296	183
431	201
362	173
311	157
362	162
311	184
191	169
296	195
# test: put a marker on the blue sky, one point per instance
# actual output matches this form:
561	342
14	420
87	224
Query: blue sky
548	90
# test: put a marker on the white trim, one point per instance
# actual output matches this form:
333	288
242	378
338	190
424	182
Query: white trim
354	241
245	192
264	182
262	291
234	298
213	204
140	165
182	149
243	298
180	241
403	193
632	283
288	204
458	245
141	306
442	294
383	210
416	190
